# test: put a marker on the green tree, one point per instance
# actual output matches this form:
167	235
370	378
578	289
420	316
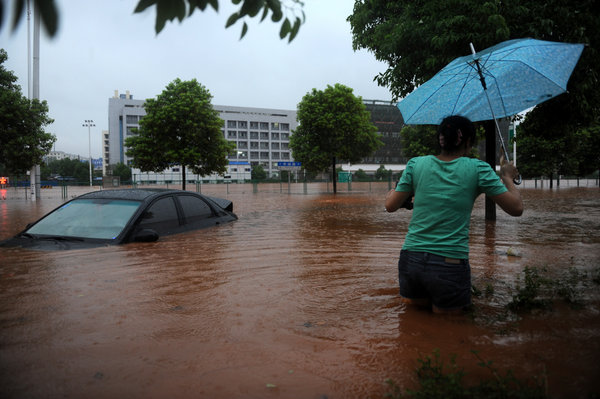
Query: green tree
169	10
382	173
333	125
361	175
417	39
418	141
24	143
556	153
66	168
180	127
258	172
122	170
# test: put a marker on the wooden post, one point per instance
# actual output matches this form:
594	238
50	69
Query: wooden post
490	157
334	177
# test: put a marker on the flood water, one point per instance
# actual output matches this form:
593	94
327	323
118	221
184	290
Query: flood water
297	299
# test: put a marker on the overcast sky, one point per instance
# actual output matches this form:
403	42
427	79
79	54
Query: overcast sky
102	46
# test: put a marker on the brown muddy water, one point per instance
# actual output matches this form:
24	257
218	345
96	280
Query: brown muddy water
297	299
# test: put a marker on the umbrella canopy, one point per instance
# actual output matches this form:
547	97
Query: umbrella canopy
518	74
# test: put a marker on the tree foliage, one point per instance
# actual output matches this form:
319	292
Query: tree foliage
258	173
417	39
122	170
382	173
555	152
419	140
180	127
66	168
333	124
23	141
288	12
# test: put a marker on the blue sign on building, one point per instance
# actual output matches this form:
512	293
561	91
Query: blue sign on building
289	164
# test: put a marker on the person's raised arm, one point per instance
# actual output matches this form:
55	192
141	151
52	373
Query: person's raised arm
510	201
395	199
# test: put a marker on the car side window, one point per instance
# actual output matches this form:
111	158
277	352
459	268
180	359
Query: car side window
161	216
194	209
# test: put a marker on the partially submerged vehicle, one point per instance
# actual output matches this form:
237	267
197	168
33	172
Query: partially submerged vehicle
110	217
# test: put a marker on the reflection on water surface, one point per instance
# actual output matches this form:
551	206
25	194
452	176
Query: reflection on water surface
298	298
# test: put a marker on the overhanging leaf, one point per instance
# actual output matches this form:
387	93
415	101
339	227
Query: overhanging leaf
49	15
295	29
143	4
232	19
286	27
244	30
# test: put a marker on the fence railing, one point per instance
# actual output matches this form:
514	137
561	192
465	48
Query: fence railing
224	188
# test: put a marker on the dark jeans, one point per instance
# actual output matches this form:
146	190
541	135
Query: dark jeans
445	282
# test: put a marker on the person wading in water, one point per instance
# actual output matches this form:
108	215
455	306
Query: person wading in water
434	265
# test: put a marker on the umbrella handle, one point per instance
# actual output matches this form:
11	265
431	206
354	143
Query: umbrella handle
518	180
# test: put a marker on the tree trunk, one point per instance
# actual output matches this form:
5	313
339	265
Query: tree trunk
183	177
490	157
334	177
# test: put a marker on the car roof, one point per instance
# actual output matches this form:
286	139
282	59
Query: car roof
137	194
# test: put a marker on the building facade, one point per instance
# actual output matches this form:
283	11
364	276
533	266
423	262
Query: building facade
386	116
261	135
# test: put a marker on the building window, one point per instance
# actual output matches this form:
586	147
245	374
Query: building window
231	124
242	145
264	136
274	146
253	135
130	131
285	146
242	125
274	125
253	154
285	155
243	135
253	125
285	136
264	155
264	146
274	155
285	127
274	136
254	145
264	126
130	119
231	134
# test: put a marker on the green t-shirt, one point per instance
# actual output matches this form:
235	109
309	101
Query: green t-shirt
444	196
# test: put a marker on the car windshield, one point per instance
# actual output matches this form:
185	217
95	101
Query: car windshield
87	218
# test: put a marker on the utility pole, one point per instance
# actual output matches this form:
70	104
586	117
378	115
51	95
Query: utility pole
89	124
34	89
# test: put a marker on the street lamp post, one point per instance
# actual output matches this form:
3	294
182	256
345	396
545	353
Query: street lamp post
89	124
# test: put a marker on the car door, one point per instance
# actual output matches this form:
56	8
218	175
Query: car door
161	216
197	213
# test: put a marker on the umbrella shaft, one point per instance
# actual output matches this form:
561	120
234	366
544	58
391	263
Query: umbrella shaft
497	126
482	79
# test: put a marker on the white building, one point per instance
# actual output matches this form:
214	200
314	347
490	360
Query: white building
261	135
60	155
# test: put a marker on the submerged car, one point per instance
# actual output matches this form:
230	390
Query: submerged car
110	217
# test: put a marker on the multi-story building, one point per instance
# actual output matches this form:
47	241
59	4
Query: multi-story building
261	135
386	116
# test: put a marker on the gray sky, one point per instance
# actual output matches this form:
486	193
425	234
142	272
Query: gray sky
102	46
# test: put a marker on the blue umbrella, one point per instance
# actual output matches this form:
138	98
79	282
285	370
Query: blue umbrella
500	81
515	75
